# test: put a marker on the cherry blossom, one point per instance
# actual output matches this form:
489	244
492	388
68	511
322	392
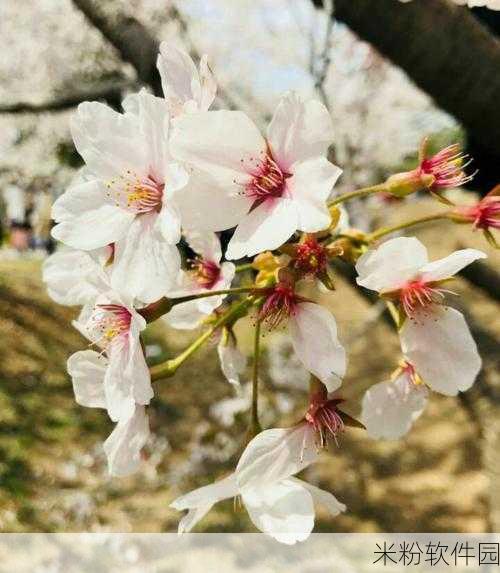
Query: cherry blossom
282	508
390	408
484	215
186	89
278	453
267	187
434	338
206	273
115	326
441	171
88	370
313	330
126	196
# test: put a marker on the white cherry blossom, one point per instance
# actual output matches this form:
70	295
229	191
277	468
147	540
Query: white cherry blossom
88	370
127	194
313	331
115	326
390	408
269	187
435	338
206	273
283	510
278	453
186	89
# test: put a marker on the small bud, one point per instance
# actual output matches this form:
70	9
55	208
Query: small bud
444	170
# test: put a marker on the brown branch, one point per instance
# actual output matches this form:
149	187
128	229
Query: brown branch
130	37
444	50
113	95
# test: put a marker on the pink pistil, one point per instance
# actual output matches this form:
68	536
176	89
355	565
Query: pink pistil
136	194
447	168
206	273
324	418
484	215
110	321
281	302
268	180
417	294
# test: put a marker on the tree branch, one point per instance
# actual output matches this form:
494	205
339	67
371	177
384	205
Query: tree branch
112	94
444	50
132	39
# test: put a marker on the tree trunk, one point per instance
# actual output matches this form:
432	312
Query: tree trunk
443	49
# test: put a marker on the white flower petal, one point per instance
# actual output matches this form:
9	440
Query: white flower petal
267	227
73	277
208	494
232	361
137	372
87	369
322	497
192	517
441	348
299	130
225	144
310	186
392	264
206	205
276	454
204	243
390	408
124	445
154	126
168	222
450	265
283	510
145	265
86	220
185	316
108	141
181	81
208	85
117	386
314	336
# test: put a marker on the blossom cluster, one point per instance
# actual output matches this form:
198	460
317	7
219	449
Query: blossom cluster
140	228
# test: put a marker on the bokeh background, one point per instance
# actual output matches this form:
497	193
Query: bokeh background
386	84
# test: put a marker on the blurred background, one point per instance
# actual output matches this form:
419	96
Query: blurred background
388	78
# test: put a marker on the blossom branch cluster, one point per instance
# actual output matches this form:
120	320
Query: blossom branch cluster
170	169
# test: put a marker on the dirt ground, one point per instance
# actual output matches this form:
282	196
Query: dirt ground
52	472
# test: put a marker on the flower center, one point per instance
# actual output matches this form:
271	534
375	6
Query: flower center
268	180
280	303
139	195
417	294
324	418
447	168
310	257
108	322
206	273
486	214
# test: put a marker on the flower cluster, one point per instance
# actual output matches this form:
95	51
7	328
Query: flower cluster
140	231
